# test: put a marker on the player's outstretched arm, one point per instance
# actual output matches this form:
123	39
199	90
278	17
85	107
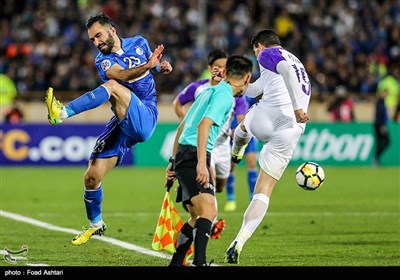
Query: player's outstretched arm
119	73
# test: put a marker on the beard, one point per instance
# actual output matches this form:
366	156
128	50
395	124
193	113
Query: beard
109	44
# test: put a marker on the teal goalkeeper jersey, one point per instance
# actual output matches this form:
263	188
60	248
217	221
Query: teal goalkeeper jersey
215	103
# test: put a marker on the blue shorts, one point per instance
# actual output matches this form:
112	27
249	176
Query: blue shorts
120	136
252	146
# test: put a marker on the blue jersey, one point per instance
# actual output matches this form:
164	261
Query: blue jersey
134	52
141	116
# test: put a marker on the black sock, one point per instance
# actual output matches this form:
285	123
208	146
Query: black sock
185	239
202	234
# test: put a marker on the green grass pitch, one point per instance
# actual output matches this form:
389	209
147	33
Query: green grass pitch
352	220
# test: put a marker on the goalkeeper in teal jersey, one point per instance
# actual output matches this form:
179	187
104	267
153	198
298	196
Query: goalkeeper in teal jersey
194	141
125	65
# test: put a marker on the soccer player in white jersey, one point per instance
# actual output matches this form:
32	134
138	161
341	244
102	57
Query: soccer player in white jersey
278	120
124	65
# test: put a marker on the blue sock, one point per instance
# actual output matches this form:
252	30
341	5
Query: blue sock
252	175
70	111
89	100
93	199
230	188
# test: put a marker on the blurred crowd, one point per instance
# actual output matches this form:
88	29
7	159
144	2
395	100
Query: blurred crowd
351	43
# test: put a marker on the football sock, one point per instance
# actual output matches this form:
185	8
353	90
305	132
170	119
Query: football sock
252	175
230	187
67	112
93	200
202	231
240	139
185	239
89	100
253	216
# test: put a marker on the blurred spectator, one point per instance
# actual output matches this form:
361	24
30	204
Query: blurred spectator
8	91
381	127
341	108
344	42
391	84
14	115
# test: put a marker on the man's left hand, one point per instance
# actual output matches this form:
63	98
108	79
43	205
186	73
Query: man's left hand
165	67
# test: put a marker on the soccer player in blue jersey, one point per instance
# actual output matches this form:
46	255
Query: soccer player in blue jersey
278	120
124	65
195	139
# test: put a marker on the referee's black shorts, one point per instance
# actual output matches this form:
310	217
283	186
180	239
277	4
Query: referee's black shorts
185	171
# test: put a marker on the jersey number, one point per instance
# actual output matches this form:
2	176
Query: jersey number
132	61
302	78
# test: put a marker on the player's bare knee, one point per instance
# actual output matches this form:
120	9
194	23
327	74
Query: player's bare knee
116	90
91	181
111	86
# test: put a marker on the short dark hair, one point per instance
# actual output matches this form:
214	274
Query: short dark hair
266	37
101	18
214	55
238	65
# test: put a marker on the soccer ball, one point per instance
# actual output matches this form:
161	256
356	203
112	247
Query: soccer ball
310	176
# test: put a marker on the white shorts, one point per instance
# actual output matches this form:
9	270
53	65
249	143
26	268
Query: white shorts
278	129
221	159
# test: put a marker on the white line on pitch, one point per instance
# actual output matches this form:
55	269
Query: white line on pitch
110	240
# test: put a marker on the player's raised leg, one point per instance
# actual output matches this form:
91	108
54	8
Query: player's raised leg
57	112
240	141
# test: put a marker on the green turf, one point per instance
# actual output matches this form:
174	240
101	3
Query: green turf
352	220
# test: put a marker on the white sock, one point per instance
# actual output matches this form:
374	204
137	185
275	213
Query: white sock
63	114
97	225
253	216
240	140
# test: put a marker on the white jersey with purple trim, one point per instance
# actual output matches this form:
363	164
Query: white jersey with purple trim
271	83
284	86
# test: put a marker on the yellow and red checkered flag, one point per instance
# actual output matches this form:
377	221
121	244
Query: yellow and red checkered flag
169	225
166	231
